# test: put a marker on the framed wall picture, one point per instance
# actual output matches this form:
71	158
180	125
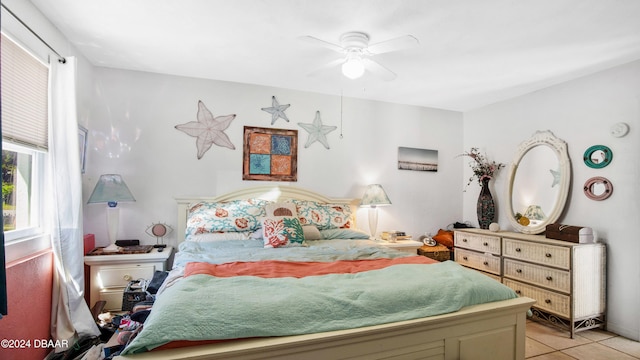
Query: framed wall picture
270	154
82	142
417	159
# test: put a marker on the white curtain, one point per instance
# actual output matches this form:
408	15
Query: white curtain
70	315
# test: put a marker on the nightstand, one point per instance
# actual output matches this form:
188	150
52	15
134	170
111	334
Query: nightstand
410	246
109	275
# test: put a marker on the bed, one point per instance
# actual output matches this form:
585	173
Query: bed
414	312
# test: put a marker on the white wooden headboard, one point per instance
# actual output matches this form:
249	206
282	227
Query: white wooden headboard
265	192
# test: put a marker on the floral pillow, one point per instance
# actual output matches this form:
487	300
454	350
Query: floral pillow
323	216
232	216
282	231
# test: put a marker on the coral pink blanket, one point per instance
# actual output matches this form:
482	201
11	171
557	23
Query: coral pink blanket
277	268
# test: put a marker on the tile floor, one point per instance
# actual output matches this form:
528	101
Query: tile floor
548	343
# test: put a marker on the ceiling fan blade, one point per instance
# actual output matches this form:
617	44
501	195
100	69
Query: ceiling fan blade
326	44
378	70
399	43
327	66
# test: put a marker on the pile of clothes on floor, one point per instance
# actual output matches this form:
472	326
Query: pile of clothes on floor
122	327
129	325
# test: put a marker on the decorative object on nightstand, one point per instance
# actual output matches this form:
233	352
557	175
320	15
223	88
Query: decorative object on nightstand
428	240
159	231
373	197
111	189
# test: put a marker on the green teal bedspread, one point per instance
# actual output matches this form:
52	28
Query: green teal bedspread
203	307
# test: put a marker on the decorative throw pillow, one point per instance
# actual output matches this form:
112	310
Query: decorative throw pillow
444	237
323	216
281	209
237	215
282	231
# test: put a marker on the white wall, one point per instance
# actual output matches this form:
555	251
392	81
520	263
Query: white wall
131	132
580	112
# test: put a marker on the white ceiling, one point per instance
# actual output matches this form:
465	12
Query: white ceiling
471	53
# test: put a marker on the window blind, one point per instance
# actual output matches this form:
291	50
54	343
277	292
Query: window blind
24	89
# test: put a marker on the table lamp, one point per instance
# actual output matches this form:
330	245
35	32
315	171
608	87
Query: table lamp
373	197
534	213
110	189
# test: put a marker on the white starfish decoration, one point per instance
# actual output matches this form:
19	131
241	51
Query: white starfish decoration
208	130
276	110
317	131
556	177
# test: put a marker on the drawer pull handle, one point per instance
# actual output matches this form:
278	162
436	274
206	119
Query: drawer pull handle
547	255
127	277
518	250
465	258
518	292
549	278
548	301
486	244
486	263
464	240
519	271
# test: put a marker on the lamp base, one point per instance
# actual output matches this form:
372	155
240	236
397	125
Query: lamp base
373	221
111	248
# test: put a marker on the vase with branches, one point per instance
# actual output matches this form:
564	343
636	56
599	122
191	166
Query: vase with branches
483	171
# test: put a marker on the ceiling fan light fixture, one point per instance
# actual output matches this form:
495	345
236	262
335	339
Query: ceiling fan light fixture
353	68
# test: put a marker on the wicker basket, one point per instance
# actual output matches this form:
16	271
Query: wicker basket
135	292
438	252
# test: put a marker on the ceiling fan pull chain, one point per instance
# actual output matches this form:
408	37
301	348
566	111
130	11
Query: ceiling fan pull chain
341	114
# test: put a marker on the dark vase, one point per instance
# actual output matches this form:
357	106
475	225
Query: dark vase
486	208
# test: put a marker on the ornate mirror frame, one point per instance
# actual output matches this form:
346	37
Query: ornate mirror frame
559	148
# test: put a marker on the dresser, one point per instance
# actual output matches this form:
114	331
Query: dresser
109	275
566	279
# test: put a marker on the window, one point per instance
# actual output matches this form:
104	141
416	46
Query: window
24	140
21	170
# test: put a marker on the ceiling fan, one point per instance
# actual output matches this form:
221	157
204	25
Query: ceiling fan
357	53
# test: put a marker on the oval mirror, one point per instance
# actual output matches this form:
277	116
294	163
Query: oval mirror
597	156
539	178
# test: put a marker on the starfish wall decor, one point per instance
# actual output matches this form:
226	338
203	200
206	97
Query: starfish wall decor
208	130
276	110
317	131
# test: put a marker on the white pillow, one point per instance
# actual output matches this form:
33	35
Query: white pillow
311	232
209	237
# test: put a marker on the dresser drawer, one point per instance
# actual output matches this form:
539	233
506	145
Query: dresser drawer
544	254
546	300
119	276
554	279
484	262
483	243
